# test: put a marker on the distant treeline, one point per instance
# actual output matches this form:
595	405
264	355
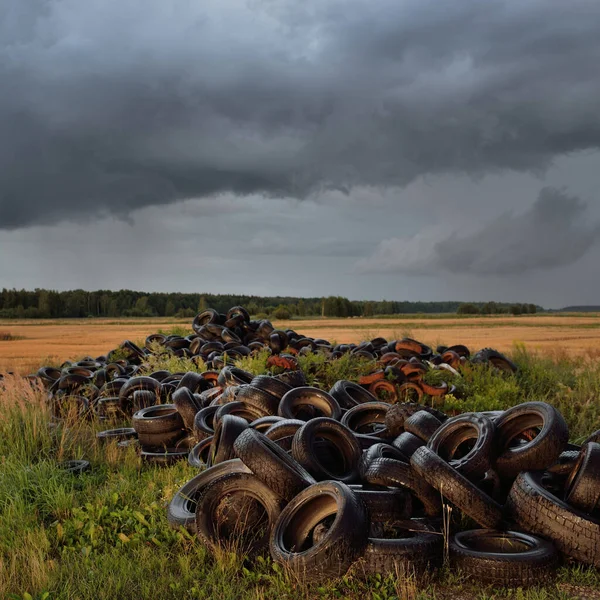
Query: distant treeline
41	304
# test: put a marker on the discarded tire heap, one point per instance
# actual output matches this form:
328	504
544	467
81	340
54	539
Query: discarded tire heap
108	386
328	480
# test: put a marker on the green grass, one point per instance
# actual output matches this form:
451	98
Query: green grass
104	535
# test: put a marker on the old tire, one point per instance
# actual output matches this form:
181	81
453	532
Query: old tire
339	547
503	559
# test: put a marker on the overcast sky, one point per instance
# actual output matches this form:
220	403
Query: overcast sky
394	149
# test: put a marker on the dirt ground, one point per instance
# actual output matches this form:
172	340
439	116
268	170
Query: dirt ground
43	342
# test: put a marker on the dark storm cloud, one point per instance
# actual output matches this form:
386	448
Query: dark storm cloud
554	232
107	106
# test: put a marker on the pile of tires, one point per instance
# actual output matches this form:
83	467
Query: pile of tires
118	383
329	481
353	477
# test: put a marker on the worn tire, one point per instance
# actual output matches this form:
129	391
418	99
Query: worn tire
339	547
422	424
340	437
447	440
456	489
534	509
294	401
583	485
181	511
414	554
542	451
204	423
226	432
272	465
260	398
349	394
398	413
380	450
367	418
160	441
161	418
386	505
249	533
186	405
118	435
407	443
199	455
395	473
503	559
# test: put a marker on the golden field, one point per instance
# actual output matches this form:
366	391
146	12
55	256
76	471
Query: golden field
53	341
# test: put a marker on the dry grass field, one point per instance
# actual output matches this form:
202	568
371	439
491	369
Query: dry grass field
39	342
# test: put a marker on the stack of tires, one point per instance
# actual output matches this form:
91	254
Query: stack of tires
330	481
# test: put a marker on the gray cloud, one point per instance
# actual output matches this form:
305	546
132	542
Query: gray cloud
552	233
109	106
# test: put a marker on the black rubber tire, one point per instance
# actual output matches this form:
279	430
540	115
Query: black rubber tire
272	465
367	419
264	423
395	473
398	413
534	509
199	455
415	553
157	419
293	378
349	394
539	453
456	489
380	450
118	435
186	406
565	463
447	440
262	399
133	384
230	376
163	458
340	546
422	424
284	428
249	535
407	443
271	385
495	358
192	381
160	441
249	412
143	399
583	485
386	505
348	451
503	559
321	402
226	432
203	422
181	511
